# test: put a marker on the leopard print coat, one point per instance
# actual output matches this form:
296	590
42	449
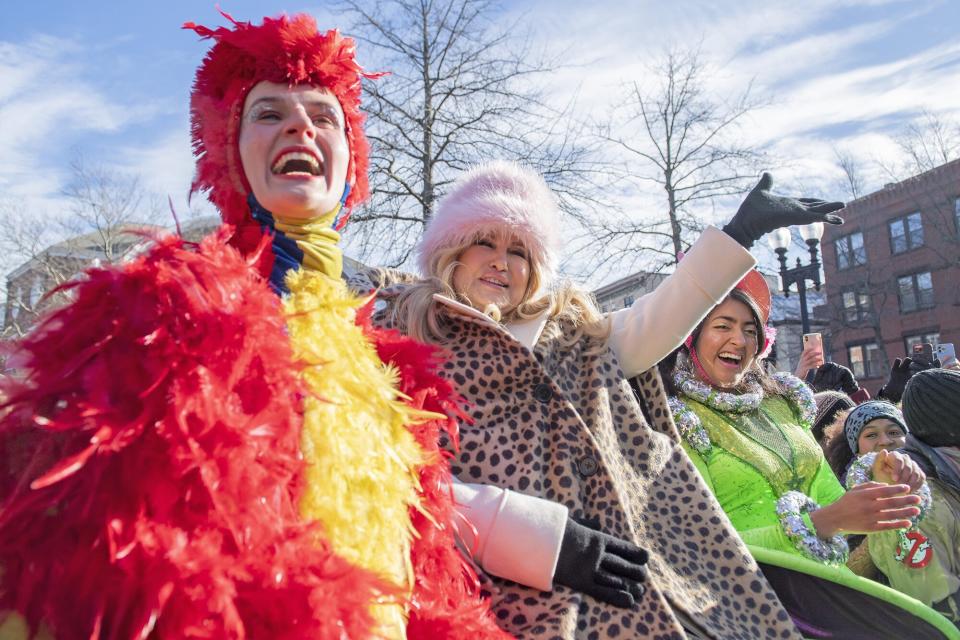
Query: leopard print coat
561	423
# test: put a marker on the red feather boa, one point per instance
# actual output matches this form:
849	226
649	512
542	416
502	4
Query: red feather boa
153	464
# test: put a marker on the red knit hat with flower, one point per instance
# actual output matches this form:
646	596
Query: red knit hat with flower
287	49
756	288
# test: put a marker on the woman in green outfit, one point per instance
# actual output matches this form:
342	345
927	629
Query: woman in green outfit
748	433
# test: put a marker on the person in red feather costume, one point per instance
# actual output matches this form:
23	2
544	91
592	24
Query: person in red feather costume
152	464
154	494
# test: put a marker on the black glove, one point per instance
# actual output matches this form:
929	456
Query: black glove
900	373
831	376
762	212
600	565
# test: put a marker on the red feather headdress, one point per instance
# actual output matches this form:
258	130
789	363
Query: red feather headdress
284	50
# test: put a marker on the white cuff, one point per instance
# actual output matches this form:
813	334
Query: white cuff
716	263
518	536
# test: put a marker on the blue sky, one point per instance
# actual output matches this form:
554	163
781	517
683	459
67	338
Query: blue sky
110	80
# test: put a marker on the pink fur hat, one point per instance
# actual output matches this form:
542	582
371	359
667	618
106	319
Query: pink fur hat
497	196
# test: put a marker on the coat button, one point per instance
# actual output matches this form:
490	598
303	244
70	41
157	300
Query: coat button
588	466
543	392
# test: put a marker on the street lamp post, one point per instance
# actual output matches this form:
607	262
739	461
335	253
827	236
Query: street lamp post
779	241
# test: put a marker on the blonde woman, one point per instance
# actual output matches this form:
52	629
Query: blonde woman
569	478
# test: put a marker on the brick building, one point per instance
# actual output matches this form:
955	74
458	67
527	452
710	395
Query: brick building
894	273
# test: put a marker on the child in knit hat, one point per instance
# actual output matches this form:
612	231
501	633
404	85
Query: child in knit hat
924	561
872	426
875	426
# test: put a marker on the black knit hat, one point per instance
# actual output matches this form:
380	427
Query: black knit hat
829	404
931	406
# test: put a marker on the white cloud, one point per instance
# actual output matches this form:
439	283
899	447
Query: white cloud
816	76
928	80
44	105
165	167
822	61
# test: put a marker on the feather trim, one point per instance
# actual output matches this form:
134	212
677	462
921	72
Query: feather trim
446	600
361	458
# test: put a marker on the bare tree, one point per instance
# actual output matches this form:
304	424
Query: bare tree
684	140
935	198
881	287
926	142
109	205
872	295
461	90
854	181
930	142
107	215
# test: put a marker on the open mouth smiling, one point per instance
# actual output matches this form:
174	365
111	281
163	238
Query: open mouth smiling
297	162
730	359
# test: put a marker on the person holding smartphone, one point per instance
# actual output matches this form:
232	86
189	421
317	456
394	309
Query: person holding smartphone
947	355
812	355
903	369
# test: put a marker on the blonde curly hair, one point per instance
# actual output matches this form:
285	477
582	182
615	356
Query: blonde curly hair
416	313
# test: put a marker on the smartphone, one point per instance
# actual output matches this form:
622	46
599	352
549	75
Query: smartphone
923	352
813	342
946	353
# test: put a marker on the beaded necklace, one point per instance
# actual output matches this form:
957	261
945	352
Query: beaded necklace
795	392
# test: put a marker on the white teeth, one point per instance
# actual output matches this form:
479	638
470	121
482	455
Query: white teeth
731	356
296	155
495	282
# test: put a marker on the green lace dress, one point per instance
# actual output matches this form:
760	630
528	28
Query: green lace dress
751	458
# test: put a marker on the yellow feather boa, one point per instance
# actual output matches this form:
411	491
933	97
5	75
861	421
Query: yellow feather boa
361	474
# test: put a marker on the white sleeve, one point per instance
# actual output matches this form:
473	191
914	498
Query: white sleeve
517	537
659	322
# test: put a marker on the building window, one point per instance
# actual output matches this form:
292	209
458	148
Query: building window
956	213
850	251
906	233
933	337
856	307
34	293
866	360
627	301
915	291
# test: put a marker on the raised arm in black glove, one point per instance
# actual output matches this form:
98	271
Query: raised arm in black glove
608	568
900	374
831	376
762	212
